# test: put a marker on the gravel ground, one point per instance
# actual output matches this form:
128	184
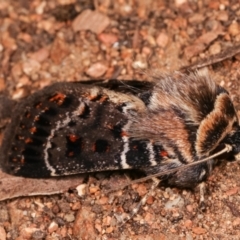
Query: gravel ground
42	42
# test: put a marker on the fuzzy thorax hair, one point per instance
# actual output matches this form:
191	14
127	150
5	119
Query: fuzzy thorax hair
189	114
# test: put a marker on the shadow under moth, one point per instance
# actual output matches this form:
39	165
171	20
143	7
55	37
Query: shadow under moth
172	130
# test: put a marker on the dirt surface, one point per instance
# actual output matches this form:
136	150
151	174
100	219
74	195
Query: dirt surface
42	42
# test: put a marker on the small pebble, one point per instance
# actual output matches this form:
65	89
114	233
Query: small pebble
232	191
141	189
103	200
76	206
53	226
81	189
90	20
233	29
69	217
40	56
31	66
188	224
96	70
189	208
108	38
215	48
162	40
199	230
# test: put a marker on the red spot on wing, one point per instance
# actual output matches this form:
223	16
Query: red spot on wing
38	105
103	99
71	154
33	130
58	98
124	134
28	140
27	114
36	119
163	154
73	137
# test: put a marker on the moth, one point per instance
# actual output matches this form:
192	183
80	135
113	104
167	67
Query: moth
165	130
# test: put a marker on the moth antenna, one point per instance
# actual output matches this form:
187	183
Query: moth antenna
228	148
134	89
128	86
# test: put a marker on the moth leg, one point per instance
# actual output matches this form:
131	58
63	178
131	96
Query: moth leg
202	191
156	182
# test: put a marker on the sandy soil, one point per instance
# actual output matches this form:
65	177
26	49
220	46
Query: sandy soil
42	42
